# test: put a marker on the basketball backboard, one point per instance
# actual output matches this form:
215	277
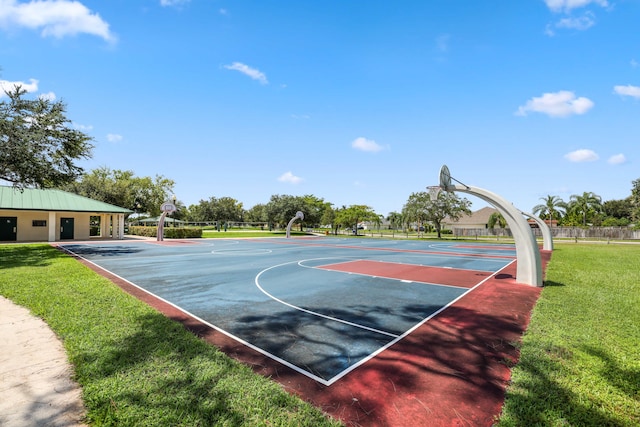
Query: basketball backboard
445	177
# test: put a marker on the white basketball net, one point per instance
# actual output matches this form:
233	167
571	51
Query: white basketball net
434	191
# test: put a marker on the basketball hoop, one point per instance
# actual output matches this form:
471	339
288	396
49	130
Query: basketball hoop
434	192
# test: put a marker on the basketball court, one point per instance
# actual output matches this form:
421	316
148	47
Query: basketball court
342	322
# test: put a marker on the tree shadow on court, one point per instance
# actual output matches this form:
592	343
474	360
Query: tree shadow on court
318	345
457	367
105	251
454	367
454	364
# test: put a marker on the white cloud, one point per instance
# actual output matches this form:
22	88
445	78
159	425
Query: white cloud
173	2
442	42
55	18
290	178
559	104
617	159
549	31
82	127
49	96
364	144
580	23
248	71
7	86
628	90
566	7
114	137
582	155
569	5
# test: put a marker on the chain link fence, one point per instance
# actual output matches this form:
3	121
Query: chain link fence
595	233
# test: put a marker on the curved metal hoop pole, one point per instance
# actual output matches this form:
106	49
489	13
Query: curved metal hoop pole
547	238
160	232
529	264
300	215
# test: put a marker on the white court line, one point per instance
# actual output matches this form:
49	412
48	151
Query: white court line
295	307
222	331
383	277
389	344
396	338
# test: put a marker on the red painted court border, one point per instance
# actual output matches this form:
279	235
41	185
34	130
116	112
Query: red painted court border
493	248
451	371
361	248
411	272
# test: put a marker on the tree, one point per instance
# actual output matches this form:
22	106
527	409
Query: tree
37	146
281	208
124	189
313	208
329	218
496	218
395	219
552	208
420	208
585	206
351	216
618	209
222	209
257	213
635	201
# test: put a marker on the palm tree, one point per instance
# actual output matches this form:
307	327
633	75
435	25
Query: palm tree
552	208
587	204
496	218
395	219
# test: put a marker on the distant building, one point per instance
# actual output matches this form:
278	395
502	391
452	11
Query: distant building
480	219
33	215
477	219
549	222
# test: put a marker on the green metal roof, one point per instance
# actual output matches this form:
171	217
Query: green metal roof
31	199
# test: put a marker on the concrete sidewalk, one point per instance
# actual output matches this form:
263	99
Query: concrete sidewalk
35	377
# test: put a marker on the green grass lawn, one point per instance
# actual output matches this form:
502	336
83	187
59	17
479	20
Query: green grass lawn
580	358
580	361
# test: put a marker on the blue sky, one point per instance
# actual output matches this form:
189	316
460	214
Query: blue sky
354	102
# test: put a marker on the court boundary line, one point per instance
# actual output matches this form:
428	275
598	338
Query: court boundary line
313	313
288	364
409	331
417	251
403	280
222	331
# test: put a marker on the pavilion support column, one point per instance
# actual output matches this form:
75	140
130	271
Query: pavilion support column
104	226
120	226
53	225
113	219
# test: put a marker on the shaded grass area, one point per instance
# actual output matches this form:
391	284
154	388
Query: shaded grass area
580	358
137	367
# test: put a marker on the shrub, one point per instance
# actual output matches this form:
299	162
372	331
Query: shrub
169	232
182	233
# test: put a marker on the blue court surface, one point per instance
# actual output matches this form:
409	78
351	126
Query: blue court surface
322	306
